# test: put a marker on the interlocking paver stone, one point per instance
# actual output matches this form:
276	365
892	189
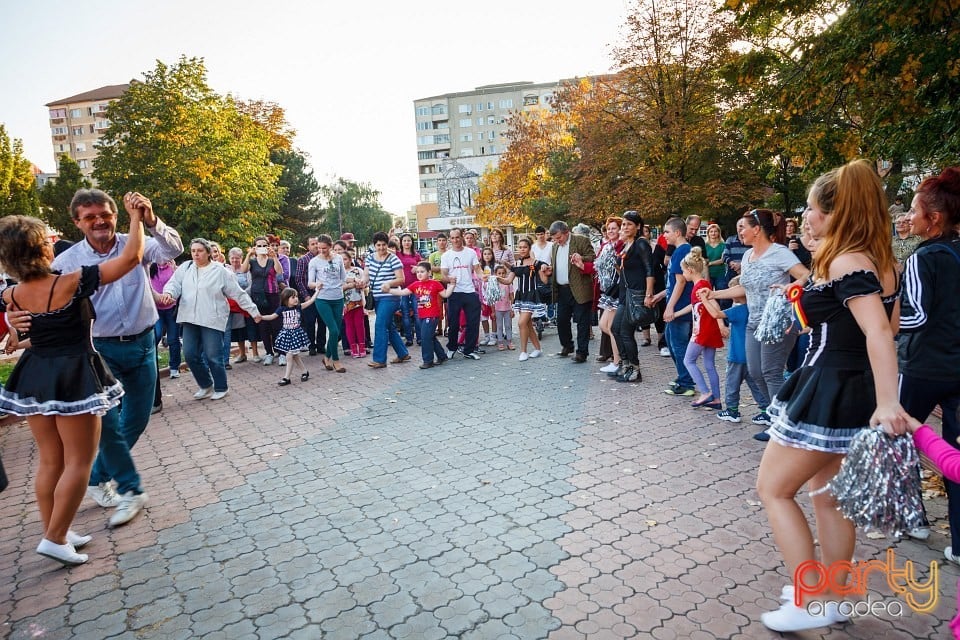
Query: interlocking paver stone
570	507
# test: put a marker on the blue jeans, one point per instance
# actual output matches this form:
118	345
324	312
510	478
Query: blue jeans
737	375
134	364
168	321
226	342
410	317
678	336
203	341
385	329
429	345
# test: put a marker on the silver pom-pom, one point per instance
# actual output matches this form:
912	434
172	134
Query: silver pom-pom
491	291
776	320
878	485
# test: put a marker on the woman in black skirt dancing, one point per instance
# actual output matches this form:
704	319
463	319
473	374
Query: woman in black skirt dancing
61	384
848	381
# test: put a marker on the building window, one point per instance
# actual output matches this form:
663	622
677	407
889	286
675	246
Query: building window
426	155
424	126
489	106
507	103
75	113
424	139
466	152
443	138
77	131
479	106
493	149
464	123
465	108
99	125
438	109
530	100
58	113
59	131
428	184
423	111
491	120
83	164
63	147
80	147
101	107
466	137
491	135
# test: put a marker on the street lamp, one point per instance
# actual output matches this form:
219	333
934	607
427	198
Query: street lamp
338	189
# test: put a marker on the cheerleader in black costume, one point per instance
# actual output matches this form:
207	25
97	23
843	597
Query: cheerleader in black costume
847	382
61	384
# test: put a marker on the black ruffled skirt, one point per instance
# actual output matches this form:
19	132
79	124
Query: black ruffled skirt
822	408
62	384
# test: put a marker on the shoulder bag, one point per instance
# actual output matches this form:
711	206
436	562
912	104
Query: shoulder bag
635	312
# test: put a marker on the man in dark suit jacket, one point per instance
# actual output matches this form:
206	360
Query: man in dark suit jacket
572	283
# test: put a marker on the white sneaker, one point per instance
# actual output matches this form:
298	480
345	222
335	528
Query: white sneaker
610	368
130	505
535	353
267	360
523	356
203	393
789	617
63	553
919	533
218	395
78	541
174	373
665	353
282	361
103	494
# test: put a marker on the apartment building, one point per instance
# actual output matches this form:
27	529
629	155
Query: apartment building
78	122
460	134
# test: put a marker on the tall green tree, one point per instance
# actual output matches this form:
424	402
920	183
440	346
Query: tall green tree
55	196
359	205
18	185
299	210
204	164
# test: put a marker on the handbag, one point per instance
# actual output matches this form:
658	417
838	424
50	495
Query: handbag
369	304
635	312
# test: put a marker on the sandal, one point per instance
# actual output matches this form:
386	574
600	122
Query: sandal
326	364
338	367
283	382
304	376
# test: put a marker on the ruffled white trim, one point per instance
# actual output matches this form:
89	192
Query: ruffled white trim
97	404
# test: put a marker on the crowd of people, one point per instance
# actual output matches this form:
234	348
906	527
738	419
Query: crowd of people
873	338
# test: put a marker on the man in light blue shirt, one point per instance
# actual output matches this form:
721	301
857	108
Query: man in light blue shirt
123	334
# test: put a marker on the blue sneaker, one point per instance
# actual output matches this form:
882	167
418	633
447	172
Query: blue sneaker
761	418
729	415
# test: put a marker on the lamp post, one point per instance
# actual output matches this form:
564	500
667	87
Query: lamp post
338	189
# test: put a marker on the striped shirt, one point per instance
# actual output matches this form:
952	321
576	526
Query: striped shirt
381	272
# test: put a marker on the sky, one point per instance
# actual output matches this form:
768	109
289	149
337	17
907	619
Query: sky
345	72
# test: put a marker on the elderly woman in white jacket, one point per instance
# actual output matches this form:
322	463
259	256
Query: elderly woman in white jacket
202	287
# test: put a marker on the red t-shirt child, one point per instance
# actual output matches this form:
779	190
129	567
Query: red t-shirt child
428	297
706	331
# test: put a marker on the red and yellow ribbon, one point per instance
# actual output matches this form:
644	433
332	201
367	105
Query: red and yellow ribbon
793	293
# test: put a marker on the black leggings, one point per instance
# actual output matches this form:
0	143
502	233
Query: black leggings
268	303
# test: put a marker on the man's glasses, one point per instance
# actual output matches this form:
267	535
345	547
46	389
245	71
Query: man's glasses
93	217
260	246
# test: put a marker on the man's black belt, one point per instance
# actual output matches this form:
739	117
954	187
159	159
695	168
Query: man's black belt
125	338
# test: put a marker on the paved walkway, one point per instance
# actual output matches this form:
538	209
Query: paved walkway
490	499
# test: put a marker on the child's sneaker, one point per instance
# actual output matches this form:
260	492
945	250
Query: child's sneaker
729	415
